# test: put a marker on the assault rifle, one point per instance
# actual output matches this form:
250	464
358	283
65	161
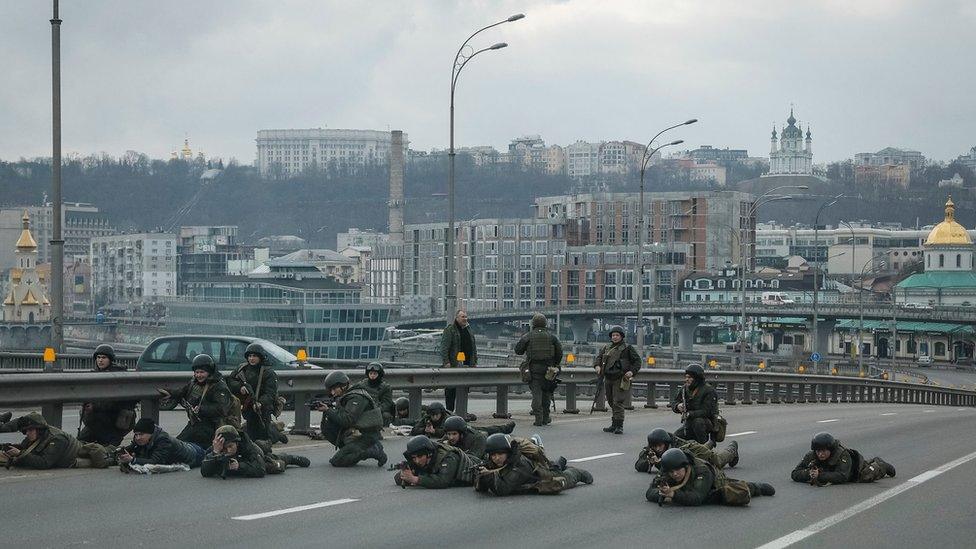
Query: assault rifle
596	394
402	466
659	482
316	403
190	412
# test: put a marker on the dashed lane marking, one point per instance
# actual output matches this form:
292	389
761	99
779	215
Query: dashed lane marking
928	411
828	420
890	414
298	509
817	527
591	458
742	433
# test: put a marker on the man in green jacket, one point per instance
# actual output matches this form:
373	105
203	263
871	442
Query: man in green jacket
829	462
232	454
431	422
660	441
380	390
207	401
352	423
507	471
255	384
471	440
44	446
435	465
543	354
458	349
697	402
617	364
688	481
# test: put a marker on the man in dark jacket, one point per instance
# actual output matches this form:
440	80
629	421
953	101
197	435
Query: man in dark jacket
829	462
380	391
151	445
352	423
401	412
689	481
660	441
507	471
543	354
255	384
431	422
207	401
617	363
458	349
44	446
435	465
697	402
232	454
106	422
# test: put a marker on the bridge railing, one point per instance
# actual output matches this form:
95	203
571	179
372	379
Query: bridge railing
51	391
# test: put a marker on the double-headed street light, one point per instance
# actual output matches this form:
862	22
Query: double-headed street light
461	59
816	284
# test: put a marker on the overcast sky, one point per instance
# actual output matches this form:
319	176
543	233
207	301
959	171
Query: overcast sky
864	74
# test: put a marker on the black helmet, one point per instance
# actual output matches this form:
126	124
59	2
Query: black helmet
255	349
419	445
823	441
455	423
402	403
205	362
695	370
336	377
375	367
619	330
498	442
104	349
659	436
673	460
436	408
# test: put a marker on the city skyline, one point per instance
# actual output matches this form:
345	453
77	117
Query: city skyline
217	75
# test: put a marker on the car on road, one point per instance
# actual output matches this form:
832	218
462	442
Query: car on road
925	360
175	353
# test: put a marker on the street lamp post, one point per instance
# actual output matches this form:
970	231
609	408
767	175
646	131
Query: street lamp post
816	253
460	60
57	240
860	307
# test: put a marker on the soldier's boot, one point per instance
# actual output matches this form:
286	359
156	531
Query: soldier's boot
560	463
888	468
508	427
470	417
610	429
376	452
586	477
538	421
618	427
299	461
5	417
83	463
275	466
733	449
766	489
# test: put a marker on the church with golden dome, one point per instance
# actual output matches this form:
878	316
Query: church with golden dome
26	300
950	271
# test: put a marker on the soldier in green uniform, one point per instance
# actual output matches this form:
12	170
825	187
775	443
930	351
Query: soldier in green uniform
207	401
689	481
470	439
431	464
401	412
352	424
509	471
697	402
43	447
617	363
255	384
106	422
543	354
234	454
660	441
380	390
431	422
829	462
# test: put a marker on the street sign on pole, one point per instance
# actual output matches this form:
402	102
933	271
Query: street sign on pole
815	357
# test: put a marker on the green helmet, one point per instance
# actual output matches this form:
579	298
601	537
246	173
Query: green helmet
419	445
695	370
255	349
455	423
104	349
619	330
823	441
402	404
498	442
204	362
659	436
673	460
335	378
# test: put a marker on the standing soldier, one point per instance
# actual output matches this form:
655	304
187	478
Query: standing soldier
543	353
660	441
829	462
206	399
255	383
352	422
508	471
617	363
380	391
457	338
44	446
688	481
697	402
106	422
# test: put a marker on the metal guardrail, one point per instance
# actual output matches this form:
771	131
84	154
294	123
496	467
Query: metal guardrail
66	361
53	390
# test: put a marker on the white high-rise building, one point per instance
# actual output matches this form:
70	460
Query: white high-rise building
583	159
793	155
290	152
133	267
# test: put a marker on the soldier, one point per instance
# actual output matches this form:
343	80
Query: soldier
431	464
697	402
352	423
151	445
44	446
401	412
543	353
457	338
617	364
431	422
508	471
207	401
829	462
458	433
255	383
380	391
106	422
687	480
234	454
660	441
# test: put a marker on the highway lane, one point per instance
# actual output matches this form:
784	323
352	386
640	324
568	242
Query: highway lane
109	509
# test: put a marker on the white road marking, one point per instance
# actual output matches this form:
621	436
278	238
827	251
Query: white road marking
295	509
832	520
928	411
890	414
828	420
742	433
591	458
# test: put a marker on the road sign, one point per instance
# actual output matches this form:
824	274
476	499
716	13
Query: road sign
815	357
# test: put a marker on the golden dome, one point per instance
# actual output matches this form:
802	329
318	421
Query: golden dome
26	241
949	232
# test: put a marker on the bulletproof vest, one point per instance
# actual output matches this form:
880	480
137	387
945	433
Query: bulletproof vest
371	418
540	346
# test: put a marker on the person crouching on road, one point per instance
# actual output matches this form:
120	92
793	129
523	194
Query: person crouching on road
689	481
151	445
207	401
380	390
660	441
352	423
829	462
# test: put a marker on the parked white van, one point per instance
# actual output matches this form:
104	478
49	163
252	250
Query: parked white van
776	298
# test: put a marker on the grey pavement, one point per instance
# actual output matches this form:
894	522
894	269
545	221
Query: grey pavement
108	509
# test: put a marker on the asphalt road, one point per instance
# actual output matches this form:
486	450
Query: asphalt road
104	508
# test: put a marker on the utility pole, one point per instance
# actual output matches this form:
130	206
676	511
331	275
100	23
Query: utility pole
57	240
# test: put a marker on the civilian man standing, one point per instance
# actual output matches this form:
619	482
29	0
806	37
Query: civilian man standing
457	338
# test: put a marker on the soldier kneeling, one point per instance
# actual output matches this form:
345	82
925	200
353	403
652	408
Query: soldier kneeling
687	480
431	464
660	441
509	471
829	462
